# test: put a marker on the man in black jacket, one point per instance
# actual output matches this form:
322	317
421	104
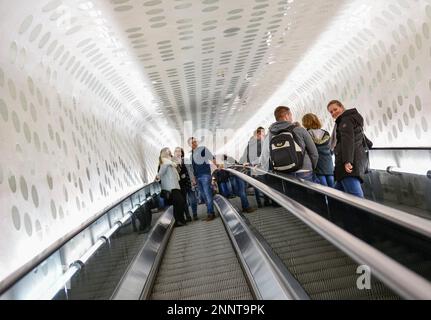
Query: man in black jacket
351	145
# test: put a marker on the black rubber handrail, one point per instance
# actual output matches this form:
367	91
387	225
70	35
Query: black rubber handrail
399	278
21	272
414	223
401	149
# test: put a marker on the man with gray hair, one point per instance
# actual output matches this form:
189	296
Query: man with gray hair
201	159
251	156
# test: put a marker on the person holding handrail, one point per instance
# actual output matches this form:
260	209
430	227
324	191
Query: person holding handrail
251	156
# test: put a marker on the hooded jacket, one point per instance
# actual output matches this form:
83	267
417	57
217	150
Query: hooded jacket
321	139
350	145
252	152
304	140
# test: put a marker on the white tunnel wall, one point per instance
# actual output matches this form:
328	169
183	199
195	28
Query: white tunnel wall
376	58
67	146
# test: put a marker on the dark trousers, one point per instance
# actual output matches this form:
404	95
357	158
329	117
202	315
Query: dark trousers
178	203
186	207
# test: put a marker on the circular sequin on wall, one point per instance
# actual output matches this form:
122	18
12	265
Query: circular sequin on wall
16	218
12	183
23	187
4	112
53	209
16	122
35	196
27	224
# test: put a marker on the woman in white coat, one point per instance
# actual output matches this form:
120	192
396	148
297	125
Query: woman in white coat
169	177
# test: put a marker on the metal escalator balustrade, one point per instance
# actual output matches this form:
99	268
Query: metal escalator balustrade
205	260
26	283
373	223
334	248
401	218
322	269
200	264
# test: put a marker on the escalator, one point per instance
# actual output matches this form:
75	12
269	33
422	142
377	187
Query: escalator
321	268
324	271
202	261
200	264
285	252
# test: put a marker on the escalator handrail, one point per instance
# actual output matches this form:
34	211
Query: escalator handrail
21	272
401	280
400	149
268	279
409	221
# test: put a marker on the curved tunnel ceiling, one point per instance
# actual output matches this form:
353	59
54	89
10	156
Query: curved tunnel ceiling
227	64
203	59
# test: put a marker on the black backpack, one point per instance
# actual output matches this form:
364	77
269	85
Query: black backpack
286	153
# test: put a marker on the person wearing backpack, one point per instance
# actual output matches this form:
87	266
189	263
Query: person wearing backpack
325	168
288	148
351	148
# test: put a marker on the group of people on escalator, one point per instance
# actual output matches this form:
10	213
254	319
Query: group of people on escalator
303	151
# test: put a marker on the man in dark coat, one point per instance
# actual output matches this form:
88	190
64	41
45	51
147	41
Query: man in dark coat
351	146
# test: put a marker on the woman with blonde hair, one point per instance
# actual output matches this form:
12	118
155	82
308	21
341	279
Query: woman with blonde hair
171	191
321	138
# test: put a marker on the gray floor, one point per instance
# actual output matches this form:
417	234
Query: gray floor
200	264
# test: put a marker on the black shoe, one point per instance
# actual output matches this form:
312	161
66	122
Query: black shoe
259	205
189	219
195	218
179	224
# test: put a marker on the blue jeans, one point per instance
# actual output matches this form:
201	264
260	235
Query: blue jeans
326	180
193	202
307	176
224	189
258	195
350	185
232	180
204	183
241	192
